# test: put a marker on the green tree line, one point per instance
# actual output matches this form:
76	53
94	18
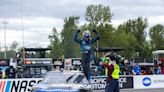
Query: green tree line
131	35
10	51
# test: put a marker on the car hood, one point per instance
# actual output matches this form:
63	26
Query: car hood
62	86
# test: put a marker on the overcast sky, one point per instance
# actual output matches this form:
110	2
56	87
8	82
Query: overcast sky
40	16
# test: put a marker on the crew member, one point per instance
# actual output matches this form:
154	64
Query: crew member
86	47
112	84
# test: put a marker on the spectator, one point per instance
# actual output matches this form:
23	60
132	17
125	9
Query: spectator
136	70
10	72
150	71
158	70
32	55
143	72
127	71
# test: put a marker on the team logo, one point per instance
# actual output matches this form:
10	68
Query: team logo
146	81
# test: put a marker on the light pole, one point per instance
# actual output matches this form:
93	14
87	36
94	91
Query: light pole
5	23
22	19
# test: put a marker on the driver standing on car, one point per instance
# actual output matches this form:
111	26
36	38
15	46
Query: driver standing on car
86	47
112	84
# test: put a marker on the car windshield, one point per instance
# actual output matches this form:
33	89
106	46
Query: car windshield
64	78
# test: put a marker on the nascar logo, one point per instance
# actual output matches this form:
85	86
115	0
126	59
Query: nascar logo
5	86
18	85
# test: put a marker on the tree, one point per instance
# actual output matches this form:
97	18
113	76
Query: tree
106	35
125	40
97	14
157	36
10	52
14	45
137	28
70	47
99	18
56	45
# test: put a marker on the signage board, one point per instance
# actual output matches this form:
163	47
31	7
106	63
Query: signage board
99	82
148	81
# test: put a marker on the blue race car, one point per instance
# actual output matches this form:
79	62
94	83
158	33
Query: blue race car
67	81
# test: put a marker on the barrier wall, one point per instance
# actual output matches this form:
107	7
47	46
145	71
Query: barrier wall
99	83
25	85
148	81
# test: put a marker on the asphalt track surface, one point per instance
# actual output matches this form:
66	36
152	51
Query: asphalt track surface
137	90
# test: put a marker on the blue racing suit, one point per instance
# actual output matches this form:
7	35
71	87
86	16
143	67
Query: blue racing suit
86	47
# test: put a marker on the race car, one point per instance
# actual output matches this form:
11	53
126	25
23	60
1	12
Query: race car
66	81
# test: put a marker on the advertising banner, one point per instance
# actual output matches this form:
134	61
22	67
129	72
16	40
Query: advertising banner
18	85
126	82
148	81
99	82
